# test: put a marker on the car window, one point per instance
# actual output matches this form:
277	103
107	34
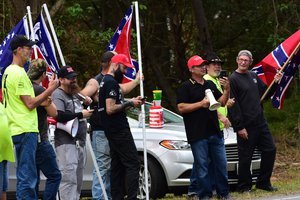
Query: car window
168	116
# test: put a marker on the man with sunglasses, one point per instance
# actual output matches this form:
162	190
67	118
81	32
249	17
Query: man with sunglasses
203	132
20	105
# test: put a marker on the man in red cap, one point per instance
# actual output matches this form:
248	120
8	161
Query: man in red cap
125	163
203	131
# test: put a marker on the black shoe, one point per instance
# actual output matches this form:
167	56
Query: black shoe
244	190
268	188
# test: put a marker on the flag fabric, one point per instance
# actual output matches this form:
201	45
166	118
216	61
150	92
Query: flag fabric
120	43
288	75
45	47
6	55
44	43
267	68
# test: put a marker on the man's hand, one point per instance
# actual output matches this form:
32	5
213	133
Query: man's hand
137	78
87	113
205	103
137	101
230	102
47	102
53	83
243	134
277	77
225	83
87	100
225	121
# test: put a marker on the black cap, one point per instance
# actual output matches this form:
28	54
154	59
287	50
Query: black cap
106	56
20	41
66	72
213	57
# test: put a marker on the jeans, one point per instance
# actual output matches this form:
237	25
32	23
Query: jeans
101	150
26	145
125	164
208	150
46	162
3	177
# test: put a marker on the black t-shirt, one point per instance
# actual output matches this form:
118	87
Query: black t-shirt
200	123
42	113
110	89
94	120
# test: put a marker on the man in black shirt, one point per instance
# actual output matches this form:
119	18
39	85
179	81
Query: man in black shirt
45	155
248	120
203	131
125	163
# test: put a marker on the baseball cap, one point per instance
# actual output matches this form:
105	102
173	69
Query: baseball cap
106	56
213	57
245	53
123	59
36	68
66	72
195	61
20	41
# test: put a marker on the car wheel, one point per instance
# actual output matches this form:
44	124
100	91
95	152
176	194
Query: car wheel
156	180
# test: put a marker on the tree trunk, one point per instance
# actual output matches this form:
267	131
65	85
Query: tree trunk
202	26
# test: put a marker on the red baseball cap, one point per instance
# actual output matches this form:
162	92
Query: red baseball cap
123	59
195	61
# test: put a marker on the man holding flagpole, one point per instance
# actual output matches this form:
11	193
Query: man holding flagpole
248	120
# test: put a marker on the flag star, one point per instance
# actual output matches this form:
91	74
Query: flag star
286	77
277	48
111	46
280	88
4	42
119	32
133	73
256	71
1	51
277	99
8	36
13	34
126	17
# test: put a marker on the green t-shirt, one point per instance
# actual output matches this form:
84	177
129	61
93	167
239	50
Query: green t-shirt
6	145
15	83
222	110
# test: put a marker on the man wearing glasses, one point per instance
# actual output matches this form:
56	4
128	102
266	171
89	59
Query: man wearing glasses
20	105
203	131
248	120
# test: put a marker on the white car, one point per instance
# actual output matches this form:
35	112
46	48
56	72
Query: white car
169	157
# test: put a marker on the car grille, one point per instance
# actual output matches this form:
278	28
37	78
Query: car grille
232	153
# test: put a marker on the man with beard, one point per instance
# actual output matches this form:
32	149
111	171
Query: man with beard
69	149
124	157
99	141
20	106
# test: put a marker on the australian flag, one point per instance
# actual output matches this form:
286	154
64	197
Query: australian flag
120	43
268	67
6	55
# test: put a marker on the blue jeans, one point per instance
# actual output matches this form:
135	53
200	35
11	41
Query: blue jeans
25	145
101	149
46	162
208	150
3	177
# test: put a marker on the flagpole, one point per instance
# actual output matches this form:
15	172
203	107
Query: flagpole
31	31
54	35
136	6
281	69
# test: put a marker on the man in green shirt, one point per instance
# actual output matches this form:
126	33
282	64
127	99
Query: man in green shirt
20	106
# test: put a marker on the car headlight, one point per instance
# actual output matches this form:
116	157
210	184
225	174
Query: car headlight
175	144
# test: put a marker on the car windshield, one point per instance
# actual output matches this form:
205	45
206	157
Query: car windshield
168	116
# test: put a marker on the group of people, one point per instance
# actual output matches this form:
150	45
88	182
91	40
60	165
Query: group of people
26	106
204	127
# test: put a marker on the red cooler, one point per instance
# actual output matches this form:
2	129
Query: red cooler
156	117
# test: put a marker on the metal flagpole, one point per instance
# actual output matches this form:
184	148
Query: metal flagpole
89	145
31	31
136	6
54	35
